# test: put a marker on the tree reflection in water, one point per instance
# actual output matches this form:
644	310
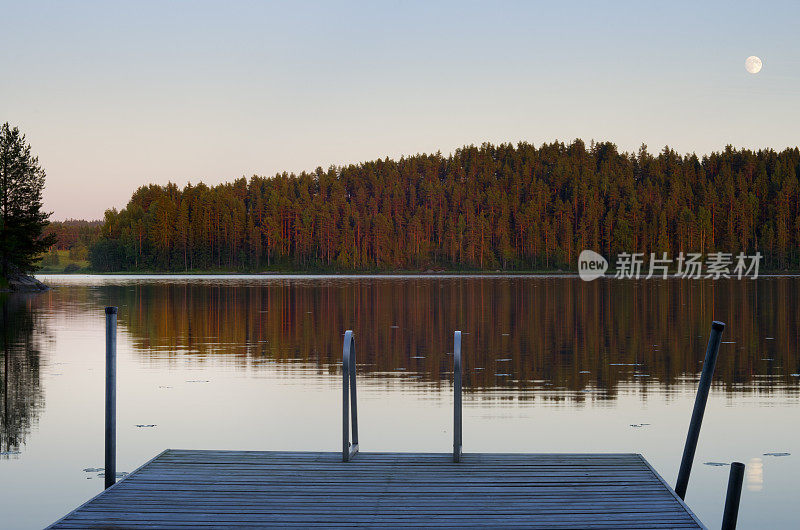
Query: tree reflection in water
22	395
523	333
556	338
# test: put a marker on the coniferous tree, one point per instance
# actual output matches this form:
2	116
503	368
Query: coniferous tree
22	220
510	207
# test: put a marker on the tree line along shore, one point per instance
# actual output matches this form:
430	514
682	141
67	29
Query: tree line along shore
494	207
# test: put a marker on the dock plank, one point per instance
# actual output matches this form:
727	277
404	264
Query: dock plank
215	489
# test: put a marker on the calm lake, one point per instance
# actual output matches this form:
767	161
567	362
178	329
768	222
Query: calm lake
553	364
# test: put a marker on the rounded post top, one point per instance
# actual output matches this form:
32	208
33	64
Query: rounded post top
717	325
111	310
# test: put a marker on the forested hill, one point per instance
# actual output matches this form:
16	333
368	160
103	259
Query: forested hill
488	207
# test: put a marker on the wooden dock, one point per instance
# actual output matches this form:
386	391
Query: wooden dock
289	489
179	489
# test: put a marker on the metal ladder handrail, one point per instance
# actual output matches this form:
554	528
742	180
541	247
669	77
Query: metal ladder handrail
349	403
457	396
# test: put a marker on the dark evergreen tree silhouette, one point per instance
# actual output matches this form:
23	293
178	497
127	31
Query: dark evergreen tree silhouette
22	220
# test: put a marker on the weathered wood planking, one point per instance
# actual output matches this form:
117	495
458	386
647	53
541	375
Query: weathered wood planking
285	489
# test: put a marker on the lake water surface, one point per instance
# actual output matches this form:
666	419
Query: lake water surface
552	364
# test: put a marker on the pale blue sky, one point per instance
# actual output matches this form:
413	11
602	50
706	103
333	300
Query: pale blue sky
113	95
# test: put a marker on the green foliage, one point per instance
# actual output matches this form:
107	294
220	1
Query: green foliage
57	261
21	219
489	207
50	259
108	255
79	252
71	267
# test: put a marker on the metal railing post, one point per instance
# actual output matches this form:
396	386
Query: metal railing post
457	397
110	470
353	396
733	496
699	408
349	401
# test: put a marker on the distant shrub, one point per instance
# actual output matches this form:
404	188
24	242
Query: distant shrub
107	255
50	259
79	252
71	267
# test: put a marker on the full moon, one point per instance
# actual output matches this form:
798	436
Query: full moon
752	64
